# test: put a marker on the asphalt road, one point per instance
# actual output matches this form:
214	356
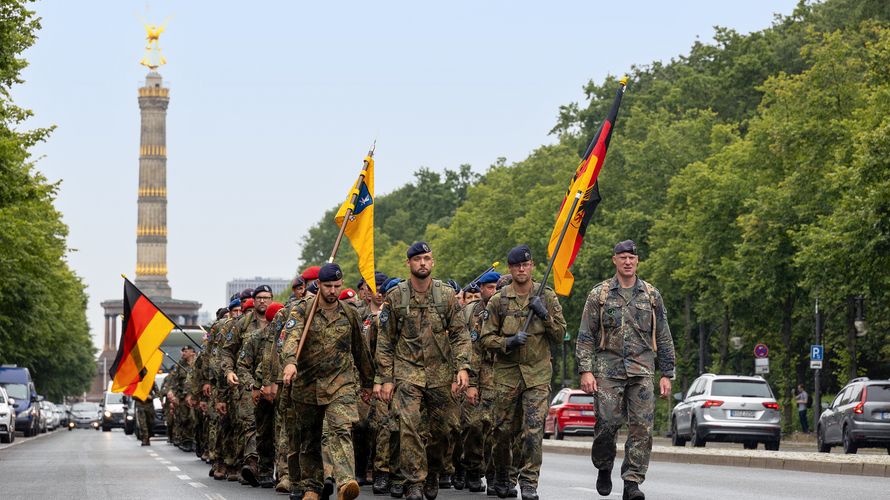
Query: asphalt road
99	465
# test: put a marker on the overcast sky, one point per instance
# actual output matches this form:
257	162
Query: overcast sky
274	104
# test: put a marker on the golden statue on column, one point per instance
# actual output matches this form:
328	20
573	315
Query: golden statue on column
153	57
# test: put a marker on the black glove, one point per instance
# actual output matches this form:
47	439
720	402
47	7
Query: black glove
537	306
517	340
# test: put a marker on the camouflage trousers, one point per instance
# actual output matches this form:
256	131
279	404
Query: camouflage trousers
525	408
475	436
145	419
363	438
419	408
262	444
183	423
454	447
384	428
212	424
631	400
227	437
168	420
283	421
329	426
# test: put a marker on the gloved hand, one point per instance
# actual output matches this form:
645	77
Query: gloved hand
517	340
537	306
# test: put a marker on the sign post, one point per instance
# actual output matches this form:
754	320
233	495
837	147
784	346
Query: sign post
761	359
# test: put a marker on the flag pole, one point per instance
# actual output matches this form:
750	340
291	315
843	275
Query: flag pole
562	234
494	265
174	360
339	239
197	345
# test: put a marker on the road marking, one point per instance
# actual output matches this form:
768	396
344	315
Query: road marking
197	485
184	477
173	468
214	496
159	458
166	462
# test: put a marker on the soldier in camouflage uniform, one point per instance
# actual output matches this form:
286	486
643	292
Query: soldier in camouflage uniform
228	396
145	415
183	414
423	351
522	367
246	397
324	389
218	420
623	335
194	400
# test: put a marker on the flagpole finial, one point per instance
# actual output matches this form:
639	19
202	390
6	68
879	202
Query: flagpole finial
495	264
124	276
623	81
373	148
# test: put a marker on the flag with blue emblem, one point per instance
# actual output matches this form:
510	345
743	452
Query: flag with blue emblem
360	227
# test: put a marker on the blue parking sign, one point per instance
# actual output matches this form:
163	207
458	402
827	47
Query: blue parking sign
817	352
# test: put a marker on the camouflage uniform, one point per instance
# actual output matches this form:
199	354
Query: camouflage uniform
522	375
261	443
183	415
423	343
324	389
227	440
145	413
167	404
477	419
619	352
383	428
269	373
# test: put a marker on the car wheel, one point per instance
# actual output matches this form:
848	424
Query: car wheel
698	441
556	434
771	445
850	447
749	445
106	429
676	440
4	438
820	442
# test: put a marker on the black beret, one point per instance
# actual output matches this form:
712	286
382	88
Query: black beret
454	284
330	272
380	279
187	347
246	293
313	287
418	248
221	312
626	246
473	288
519	254
262	288
298	281
361	282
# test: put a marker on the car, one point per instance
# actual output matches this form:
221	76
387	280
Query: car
858	417
571	412
7	418
113	410
62	414
85	415
727	408
49	415
23	396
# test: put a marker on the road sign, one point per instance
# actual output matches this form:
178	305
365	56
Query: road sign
817	352
761	366
761	351
816	364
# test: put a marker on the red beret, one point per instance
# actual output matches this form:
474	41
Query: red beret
273	309
247	304
347	294
311	273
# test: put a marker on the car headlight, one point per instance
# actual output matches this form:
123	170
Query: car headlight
129	417
107	414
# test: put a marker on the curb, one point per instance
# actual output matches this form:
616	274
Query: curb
756	462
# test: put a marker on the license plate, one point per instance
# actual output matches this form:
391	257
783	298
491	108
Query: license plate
741	413
590	413
885	415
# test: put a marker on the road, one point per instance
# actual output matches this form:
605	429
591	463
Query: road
100	465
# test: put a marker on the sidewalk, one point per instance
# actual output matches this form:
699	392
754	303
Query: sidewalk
826	463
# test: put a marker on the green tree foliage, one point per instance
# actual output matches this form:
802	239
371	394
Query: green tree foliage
43	322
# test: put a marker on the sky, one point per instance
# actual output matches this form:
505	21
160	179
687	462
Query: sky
273	105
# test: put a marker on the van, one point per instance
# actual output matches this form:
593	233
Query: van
21	392
113	404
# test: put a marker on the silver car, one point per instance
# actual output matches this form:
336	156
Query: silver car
727	408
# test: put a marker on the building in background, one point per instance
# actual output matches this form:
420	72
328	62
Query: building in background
236	285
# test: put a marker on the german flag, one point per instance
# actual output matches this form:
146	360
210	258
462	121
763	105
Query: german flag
584	180
145	328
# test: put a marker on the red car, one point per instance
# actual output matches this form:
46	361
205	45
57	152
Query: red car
571	412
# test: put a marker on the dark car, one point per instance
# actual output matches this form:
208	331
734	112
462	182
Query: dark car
571	412
20	389
85	415
859	417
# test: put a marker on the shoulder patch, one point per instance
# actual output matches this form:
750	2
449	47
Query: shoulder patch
484	314
383	316
290	323
474	335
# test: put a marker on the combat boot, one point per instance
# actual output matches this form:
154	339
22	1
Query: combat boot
490	483
474	482
529	492
445	482
249	471
266	481
459	479
431	486
632	491
415	492
505	489
232	473
381	483
348	491
283	485
310	495
604	482
397	489
219	470
146	442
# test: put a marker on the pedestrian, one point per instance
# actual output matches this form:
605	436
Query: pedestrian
324	389
145	415
623	337
423	356
802	399
522	367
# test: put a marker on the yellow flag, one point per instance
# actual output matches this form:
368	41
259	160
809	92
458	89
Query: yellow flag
563	279
360	229
143	388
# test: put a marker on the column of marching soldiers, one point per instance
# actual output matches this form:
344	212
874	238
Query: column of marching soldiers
419	386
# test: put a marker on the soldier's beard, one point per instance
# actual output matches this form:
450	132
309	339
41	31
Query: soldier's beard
420	273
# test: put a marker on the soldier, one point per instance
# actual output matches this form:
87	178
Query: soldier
169	402
145	415
522	367
183	413
209	378
623	336
423	348
324	389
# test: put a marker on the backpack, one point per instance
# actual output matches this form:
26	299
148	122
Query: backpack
604	292
440	302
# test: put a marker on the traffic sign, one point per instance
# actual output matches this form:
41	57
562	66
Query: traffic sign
816	364
817	352
761	366
761	351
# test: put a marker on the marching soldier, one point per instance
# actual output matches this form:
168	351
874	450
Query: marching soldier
324	388
183	413
623	336
145	415
522	367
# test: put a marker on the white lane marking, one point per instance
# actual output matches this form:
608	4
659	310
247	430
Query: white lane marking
173	468
166	462
214	496
184	477
159	458
197	485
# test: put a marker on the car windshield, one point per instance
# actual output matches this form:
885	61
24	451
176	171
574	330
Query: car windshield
879	393
2	399
114	398
17	391
581	399
740	388
85	407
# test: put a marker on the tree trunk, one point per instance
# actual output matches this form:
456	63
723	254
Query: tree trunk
851	337
724	341
689	339
788	369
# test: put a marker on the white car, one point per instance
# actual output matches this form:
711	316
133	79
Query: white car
7	418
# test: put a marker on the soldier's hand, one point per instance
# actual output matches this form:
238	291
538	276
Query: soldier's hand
290	370
274	390
231	378
366	395
463	381
473	395
221	407
256	393
665	386
189	401
203	406
517	340
377	389
266	392
206	390
588	382
386	391
537	306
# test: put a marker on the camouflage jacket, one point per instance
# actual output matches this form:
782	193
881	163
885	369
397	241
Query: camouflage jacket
219	335
419	341
332	352
529	363
270	366
149	400
234	339
615	338
481	360
250	358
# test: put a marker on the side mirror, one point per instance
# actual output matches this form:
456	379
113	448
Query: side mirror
678	396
